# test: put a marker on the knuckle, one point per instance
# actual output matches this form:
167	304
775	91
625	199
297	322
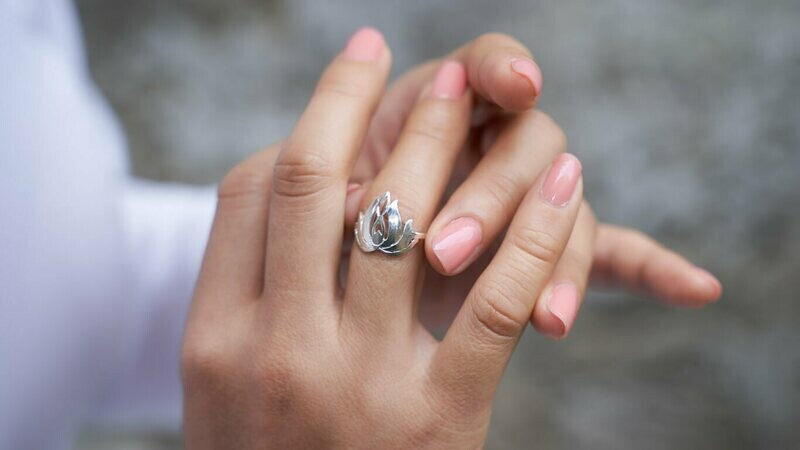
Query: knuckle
280	384
546	130
498	312
427	133
502	40
435	123
344	81
541	246
248	182
638	237
340	88
503	189
203	360
576	259
301	174
492	36
277	371
242	183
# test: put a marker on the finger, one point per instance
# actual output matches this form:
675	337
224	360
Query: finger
233	264
482	206
470	360
355	195
390	117
558	306
634	260
310	176
500	69
381	288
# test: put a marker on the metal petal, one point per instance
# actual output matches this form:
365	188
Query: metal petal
406	240
373	214
362	234
392	232
377	231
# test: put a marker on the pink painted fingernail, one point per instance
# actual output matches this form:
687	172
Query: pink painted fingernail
561	180
450	81
528	69
457	242
563	305
366	44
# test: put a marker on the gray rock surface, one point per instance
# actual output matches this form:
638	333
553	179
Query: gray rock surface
686	115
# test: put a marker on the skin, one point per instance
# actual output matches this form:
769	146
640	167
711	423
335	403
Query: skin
510	135
277	353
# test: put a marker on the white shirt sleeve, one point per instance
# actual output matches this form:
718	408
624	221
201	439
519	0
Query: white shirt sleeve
96	268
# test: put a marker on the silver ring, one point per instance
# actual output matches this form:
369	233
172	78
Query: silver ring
380	228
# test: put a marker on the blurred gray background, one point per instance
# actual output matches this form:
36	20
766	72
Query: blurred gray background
685	113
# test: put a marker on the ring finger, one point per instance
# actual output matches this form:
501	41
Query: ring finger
381	288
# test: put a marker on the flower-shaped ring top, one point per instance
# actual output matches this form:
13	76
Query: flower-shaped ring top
381	228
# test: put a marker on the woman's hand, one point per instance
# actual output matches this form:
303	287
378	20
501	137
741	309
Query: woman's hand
277	355
508	147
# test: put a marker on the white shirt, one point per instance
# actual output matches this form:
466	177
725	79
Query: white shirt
96	267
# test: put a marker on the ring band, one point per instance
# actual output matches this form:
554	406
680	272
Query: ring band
380	228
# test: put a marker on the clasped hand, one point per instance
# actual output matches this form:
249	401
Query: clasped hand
278	352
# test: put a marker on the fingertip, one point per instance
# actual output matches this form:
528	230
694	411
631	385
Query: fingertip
708	284
689	286
555	313
450	81
548	325
513	82
528	69
366	44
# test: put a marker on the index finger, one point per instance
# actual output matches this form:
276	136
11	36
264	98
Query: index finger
310	174
502	70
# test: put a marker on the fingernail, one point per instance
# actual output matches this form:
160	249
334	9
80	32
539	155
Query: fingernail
352	187
450	81
366	44
561	180
457	242
709	279
529	70
563	305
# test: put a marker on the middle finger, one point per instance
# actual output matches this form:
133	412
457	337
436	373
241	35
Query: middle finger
310	176
483	205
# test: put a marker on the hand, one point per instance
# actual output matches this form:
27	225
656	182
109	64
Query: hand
276	355
509	146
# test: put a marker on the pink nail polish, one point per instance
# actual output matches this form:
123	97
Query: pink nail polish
529	70
366	44
563	305
561	180
450	81
457	242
